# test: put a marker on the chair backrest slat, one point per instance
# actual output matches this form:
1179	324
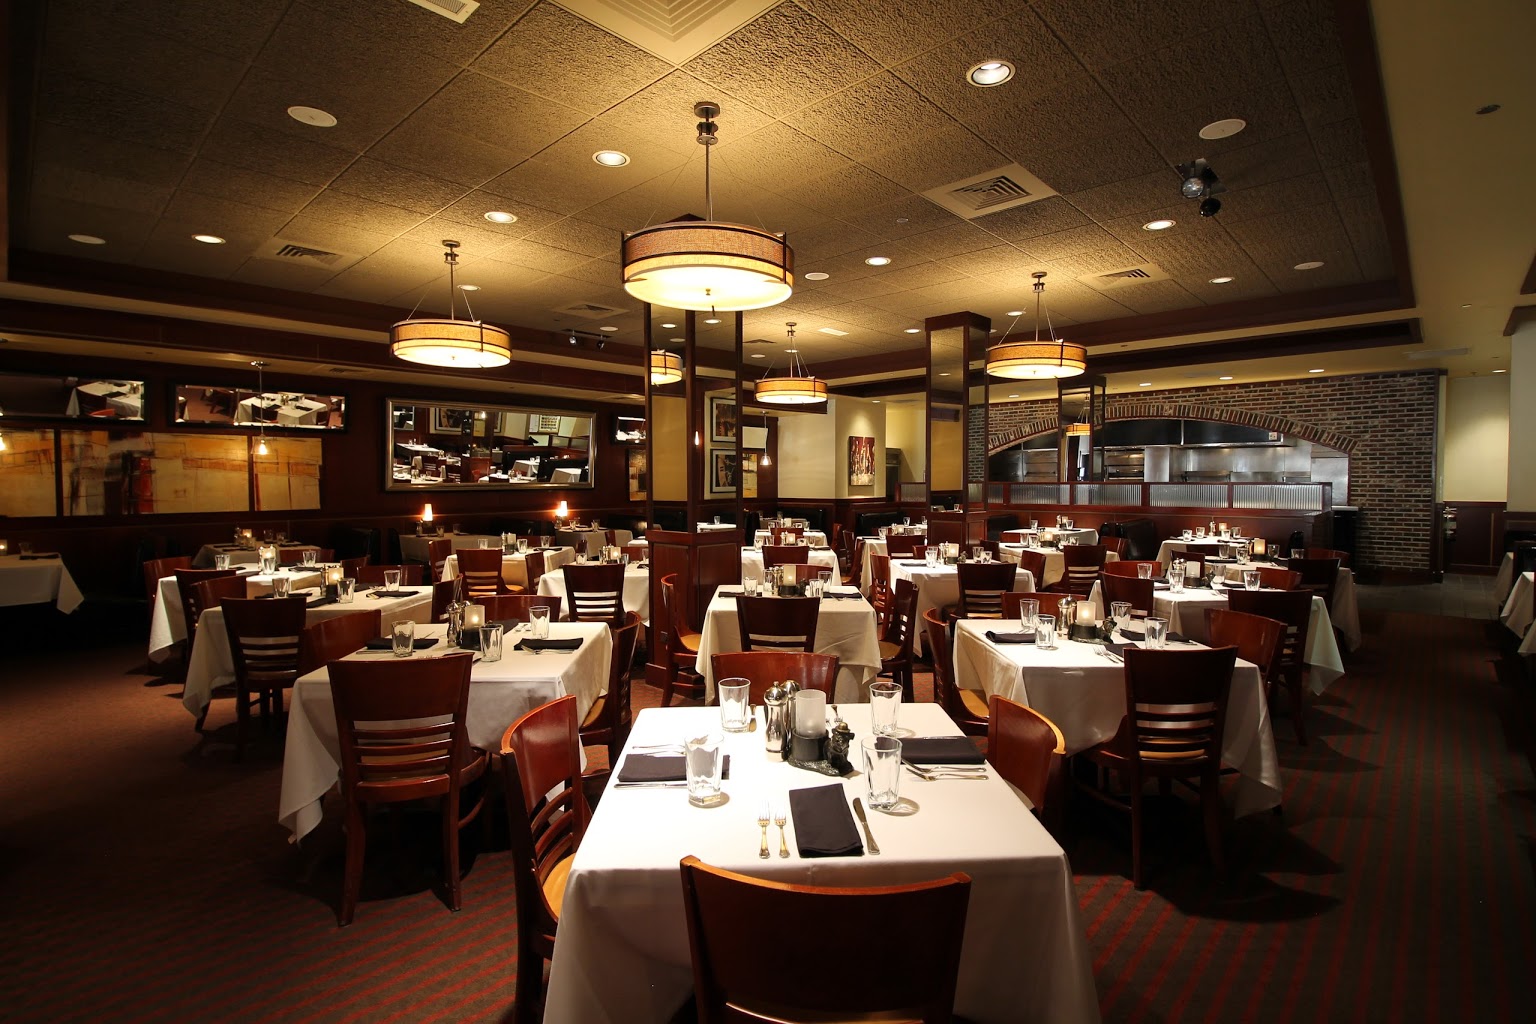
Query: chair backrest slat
1177	703
763	669
595	592
778	623
982	586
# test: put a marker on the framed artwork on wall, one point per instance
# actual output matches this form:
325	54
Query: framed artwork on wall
639	475
749	475
722	419
861	461
722	475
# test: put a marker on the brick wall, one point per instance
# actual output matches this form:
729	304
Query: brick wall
1385	422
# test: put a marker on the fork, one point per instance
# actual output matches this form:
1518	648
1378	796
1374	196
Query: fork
778	819
762	822
934	775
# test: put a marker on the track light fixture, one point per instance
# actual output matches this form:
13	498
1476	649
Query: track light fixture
1200	182
1210	207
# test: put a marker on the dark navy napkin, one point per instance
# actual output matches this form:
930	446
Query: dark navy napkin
823	823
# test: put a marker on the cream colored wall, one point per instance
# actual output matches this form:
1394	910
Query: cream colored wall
669	428
855	417
807	458
906	428
948	456
1477	436
1521	464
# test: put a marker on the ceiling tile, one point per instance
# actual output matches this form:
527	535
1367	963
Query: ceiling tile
1304	34
72	184
997	260
1267	161
1154	296
242	226
893	32
926	162
1042	217
1351	179
332	236
1061	244
1272	198
131	161
262	149
225	181
243	25
362	213
297	277
603	272
181	255
952	240
777	158
878	113
782	61
479	240
1093	261
1130	196
662	112
1097	162
1108	32
566	179
421	145
913	215
1202	67
1295	236
513	120
471	210
550	50
1324	95
545	259
49	222
1268	107
578	236
91	106
399	187
416	28
848	190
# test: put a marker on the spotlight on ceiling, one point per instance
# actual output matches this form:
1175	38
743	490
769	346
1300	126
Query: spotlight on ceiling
1200	182
573	338
1210	207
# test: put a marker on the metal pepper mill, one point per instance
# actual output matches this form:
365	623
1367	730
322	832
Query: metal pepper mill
776	718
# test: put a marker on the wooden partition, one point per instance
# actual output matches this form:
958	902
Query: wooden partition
701	562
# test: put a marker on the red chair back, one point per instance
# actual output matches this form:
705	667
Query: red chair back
1023	745
514	607
1081	565
410	575
1276	578
186	584
778	623
156	569
785	554
1129	568
336	636
982	586
437	553
595	592
481	569
763	669
1176	704
1256	638
1139	593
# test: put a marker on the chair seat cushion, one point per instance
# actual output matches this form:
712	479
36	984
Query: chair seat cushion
596	714
554	884
690	641
889	650
975	702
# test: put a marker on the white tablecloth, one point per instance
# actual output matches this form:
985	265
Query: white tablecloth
1346	605
248	556
1518	611
514	566
1186	614
413	548
1083	535
1504	582
292	412
500	693
592	540
210	664
38	581
1055	562
815	538
621	955
716	527
168	624
939	585
752	563
115	395
1083	692
637	591
845	628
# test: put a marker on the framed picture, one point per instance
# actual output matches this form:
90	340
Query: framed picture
722	475
722	419
861	461
749	474
639	475
450	421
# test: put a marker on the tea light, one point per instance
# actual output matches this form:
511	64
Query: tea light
247	537
1221	527
333	574
474	616
1259	546
5	547
426	512
562	511
1087	614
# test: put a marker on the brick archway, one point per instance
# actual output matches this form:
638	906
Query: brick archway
1149	409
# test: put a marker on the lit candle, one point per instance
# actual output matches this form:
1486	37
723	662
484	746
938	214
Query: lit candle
426	512
562	511
333	574
1259	546
1222	527
5	547
1087	614
474	616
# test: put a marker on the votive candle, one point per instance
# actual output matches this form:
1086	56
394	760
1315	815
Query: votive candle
474	616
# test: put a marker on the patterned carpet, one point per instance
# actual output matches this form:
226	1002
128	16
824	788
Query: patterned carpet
146	879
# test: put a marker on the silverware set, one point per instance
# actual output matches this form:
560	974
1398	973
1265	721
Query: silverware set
777	817
934	773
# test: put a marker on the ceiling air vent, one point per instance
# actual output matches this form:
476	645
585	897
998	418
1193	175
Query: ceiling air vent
1110	279
294	252
454	10
1001	188
590	311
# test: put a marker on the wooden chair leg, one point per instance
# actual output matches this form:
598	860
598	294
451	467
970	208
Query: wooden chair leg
242	722
1210	798
1136	829
352	876
529	996
451	851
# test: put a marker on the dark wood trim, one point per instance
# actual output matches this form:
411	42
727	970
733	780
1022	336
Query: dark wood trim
884	362
880	388
1528	286
1518	318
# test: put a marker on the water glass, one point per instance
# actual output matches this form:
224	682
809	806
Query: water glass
538	621
522	545
490	641
307	559
1187	535
1237	533
884	706
735	704
1120	611
346	587
1298	553
485	542
1029	611
221	561
1176	583
1199	533
391	580
268	563
717	520
1157	633
403	638
281	586
931	555
1251	579
749	585
1045	632
1034	524
705	760
882	769
1144	571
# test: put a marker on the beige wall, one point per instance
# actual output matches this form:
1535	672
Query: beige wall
857	417
948	456
1522	420
906	428
813	450
1477	436
669	428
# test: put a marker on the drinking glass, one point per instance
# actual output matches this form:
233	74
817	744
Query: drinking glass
931	555
1237	533
1251	579
906	520
403	638
882	768
1200	533
485	542
884	706
268	564
1045	632
704	761
1175	583
717	520
1029	611
282	536
1034	524
1157	633
266	535
522	545
1298	553
346	587
538	621
221	561
735	704
1120	611
490	641
1144	571
749	585
1187	535
391	580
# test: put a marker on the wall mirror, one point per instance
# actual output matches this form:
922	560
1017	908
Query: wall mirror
48	397
447	446
247	407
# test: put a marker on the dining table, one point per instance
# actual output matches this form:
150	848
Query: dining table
1519	610
622	952
938	587
38	578
124	398
210	664
637	589
514	564
1055	561
168	624
1081	687
1504	579
414	546
1185	613
287	551
1077	534
593	538
814	538
752	562
500	692
845	626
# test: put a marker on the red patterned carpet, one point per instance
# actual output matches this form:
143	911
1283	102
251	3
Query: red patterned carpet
146	879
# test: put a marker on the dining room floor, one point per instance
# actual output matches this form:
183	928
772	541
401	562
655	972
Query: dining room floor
1463	595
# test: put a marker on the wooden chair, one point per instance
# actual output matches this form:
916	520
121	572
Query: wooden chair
968	708
1177	703
404	762
514	607
541	755
901	545
264	642
732	918
851	549
1193	556
1256	638
1277	578
186	584
1294	608
481	570
839	547
437	554
412	575
352	566
1024	746
897	639
880	595
444	593
533	567
336	636
1013	602
1033	562
1342	556
609	719
778	623
982	586
1113	545
784	535
990	546
1139	593
785	554
595	592
762	669
157	569
1081	566
681	646
1129	568
1318	576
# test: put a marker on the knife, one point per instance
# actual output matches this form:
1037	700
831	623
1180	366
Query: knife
858	810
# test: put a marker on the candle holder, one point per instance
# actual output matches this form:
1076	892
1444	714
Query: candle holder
333	576
824	755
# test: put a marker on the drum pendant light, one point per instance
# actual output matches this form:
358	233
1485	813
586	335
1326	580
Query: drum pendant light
666	367
451	342
1037	360
794	388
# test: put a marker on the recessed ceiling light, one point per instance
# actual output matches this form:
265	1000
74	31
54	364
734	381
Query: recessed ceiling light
914	330
1223	378
1317	371
1466	305
1221	280
1488	108
817	275
669	325
903	220
1013	396
944	375
1145	384
88	239
878	261
1309	265
989	73
877	401
313	116
469	287
1500	371
712	320
833	331
500	217
609	330
611	158
757	355
1223	129
1014	312
1158	225
210	239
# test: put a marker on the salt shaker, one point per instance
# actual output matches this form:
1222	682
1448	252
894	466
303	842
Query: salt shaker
776	717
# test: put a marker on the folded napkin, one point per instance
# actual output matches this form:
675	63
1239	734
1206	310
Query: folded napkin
823	824
1136	634
940	750
728	592
1223	561
384	643
34	558
381	592
1010	638
843	595
530	644
821	547
918	564
662	768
